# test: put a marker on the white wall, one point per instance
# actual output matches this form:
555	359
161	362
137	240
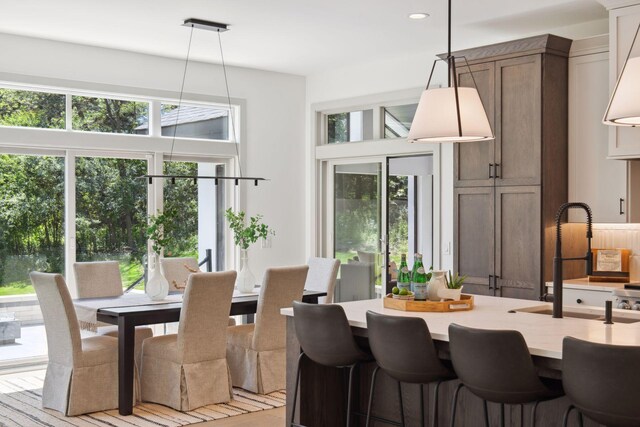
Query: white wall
273	134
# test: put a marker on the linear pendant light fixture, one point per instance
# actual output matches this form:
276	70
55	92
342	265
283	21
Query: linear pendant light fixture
453	113
624	105
201	24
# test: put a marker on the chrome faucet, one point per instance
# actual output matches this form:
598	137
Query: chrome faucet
558	260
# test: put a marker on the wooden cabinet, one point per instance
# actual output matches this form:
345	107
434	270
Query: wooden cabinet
507	191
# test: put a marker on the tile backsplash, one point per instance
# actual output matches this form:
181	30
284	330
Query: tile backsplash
627	236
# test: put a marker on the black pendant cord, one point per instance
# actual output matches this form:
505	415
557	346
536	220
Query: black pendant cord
449	42
231	112
184	77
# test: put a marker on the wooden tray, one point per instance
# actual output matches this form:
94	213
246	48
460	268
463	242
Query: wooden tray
464	304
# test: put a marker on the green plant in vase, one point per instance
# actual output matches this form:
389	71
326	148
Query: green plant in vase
455	281
157	286
244	235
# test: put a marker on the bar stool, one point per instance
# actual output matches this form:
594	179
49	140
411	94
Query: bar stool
403	349
497	367
601	381
325	338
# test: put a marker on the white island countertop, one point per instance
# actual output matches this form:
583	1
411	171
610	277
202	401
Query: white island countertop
542	332
585	284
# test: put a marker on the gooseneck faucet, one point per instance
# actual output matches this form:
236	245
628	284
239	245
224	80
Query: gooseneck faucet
558	260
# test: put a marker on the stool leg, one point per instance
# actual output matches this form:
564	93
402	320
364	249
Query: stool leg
435	404
533	414
521	415
295	390
565	419
373	384
401	405
351	369
454	404
422	405
580	420
502	415
486	413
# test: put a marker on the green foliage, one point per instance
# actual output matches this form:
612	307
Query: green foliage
158	229
32	109
181	197
455	282
108	115
245	235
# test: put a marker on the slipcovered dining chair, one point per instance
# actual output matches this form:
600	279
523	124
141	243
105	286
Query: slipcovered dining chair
101	279
322	277
256	352
82	373
177	270
189	369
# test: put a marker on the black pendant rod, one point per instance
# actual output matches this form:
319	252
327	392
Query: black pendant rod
449	42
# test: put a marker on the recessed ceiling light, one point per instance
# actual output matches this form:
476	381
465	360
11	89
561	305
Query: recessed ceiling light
418	15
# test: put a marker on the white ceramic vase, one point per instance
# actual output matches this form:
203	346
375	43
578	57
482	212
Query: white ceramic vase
246	281
157	286
452	294
437	283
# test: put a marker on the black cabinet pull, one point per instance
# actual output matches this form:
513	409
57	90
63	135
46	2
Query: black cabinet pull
621	210
579	301
495	282
490	170
490	276
497	170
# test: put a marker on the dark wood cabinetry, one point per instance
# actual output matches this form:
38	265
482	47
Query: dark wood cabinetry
508	190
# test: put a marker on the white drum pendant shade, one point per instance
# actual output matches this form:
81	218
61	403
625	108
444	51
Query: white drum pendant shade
624	107
436	118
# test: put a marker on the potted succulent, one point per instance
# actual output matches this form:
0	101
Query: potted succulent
244	235
453	289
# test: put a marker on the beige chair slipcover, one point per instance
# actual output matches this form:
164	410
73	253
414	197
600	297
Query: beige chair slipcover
82	374
189	369
256	352
102	279
177	271
322	277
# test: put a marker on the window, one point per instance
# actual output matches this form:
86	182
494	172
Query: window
32	109
350	127
111	213
109	115
398	119
195	122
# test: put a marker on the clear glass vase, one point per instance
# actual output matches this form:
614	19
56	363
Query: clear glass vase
157	286
246	281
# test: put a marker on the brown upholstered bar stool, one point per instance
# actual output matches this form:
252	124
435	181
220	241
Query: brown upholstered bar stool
497	367
601	381
403	349
325	338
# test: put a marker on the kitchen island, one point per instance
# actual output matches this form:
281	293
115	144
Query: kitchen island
323	389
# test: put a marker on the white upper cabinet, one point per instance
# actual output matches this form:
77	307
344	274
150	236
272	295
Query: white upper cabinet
624	142
593	179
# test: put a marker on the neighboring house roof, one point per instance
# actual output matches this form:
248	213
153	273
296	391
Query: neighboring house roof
187	114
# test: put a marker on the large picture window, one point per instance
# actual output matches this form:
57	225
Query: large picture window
25	108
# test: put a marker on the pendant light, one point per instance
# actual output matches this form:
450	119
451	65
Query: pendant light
218	28
624	105
450	114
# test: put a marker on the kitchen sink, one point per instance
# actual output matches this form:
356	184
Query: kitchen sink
589	314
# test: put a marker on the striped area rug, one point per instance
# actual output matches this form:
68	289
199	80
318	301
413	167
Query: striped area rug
21	398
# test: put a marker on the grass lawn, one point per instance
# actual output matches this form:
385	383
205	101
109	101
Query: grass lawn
17	288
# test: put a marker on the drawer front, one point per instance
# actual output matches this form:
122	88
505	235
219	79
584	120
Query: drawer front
579	297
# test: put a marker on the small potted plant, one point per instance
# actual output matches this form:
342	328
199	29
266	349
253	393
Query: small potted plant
453	289
244	235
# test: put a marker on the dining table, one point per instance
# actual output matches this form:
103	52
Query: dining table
127	317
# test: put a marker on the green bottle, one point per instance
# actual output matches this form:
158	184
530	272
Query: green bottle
404	276
419	279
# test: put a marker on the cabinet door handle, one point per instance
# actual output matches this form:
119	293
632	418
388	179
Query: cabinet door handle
490	277
495	282
497	170
490	170
621	209
579	301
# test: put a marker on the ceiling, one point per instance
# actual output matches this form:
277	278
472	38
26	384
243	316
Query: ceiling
296	36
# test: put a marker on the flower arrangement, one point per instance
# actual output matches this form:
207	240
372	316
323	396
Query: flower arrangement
244	235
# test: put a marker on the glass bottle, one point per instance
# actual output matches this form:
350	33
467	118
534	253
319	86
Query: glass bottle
404	276
419	279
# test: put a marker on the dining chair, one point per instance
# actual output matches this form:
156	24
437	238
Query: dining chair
102	279
177	270
322	277
256	352
189	369
82	373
